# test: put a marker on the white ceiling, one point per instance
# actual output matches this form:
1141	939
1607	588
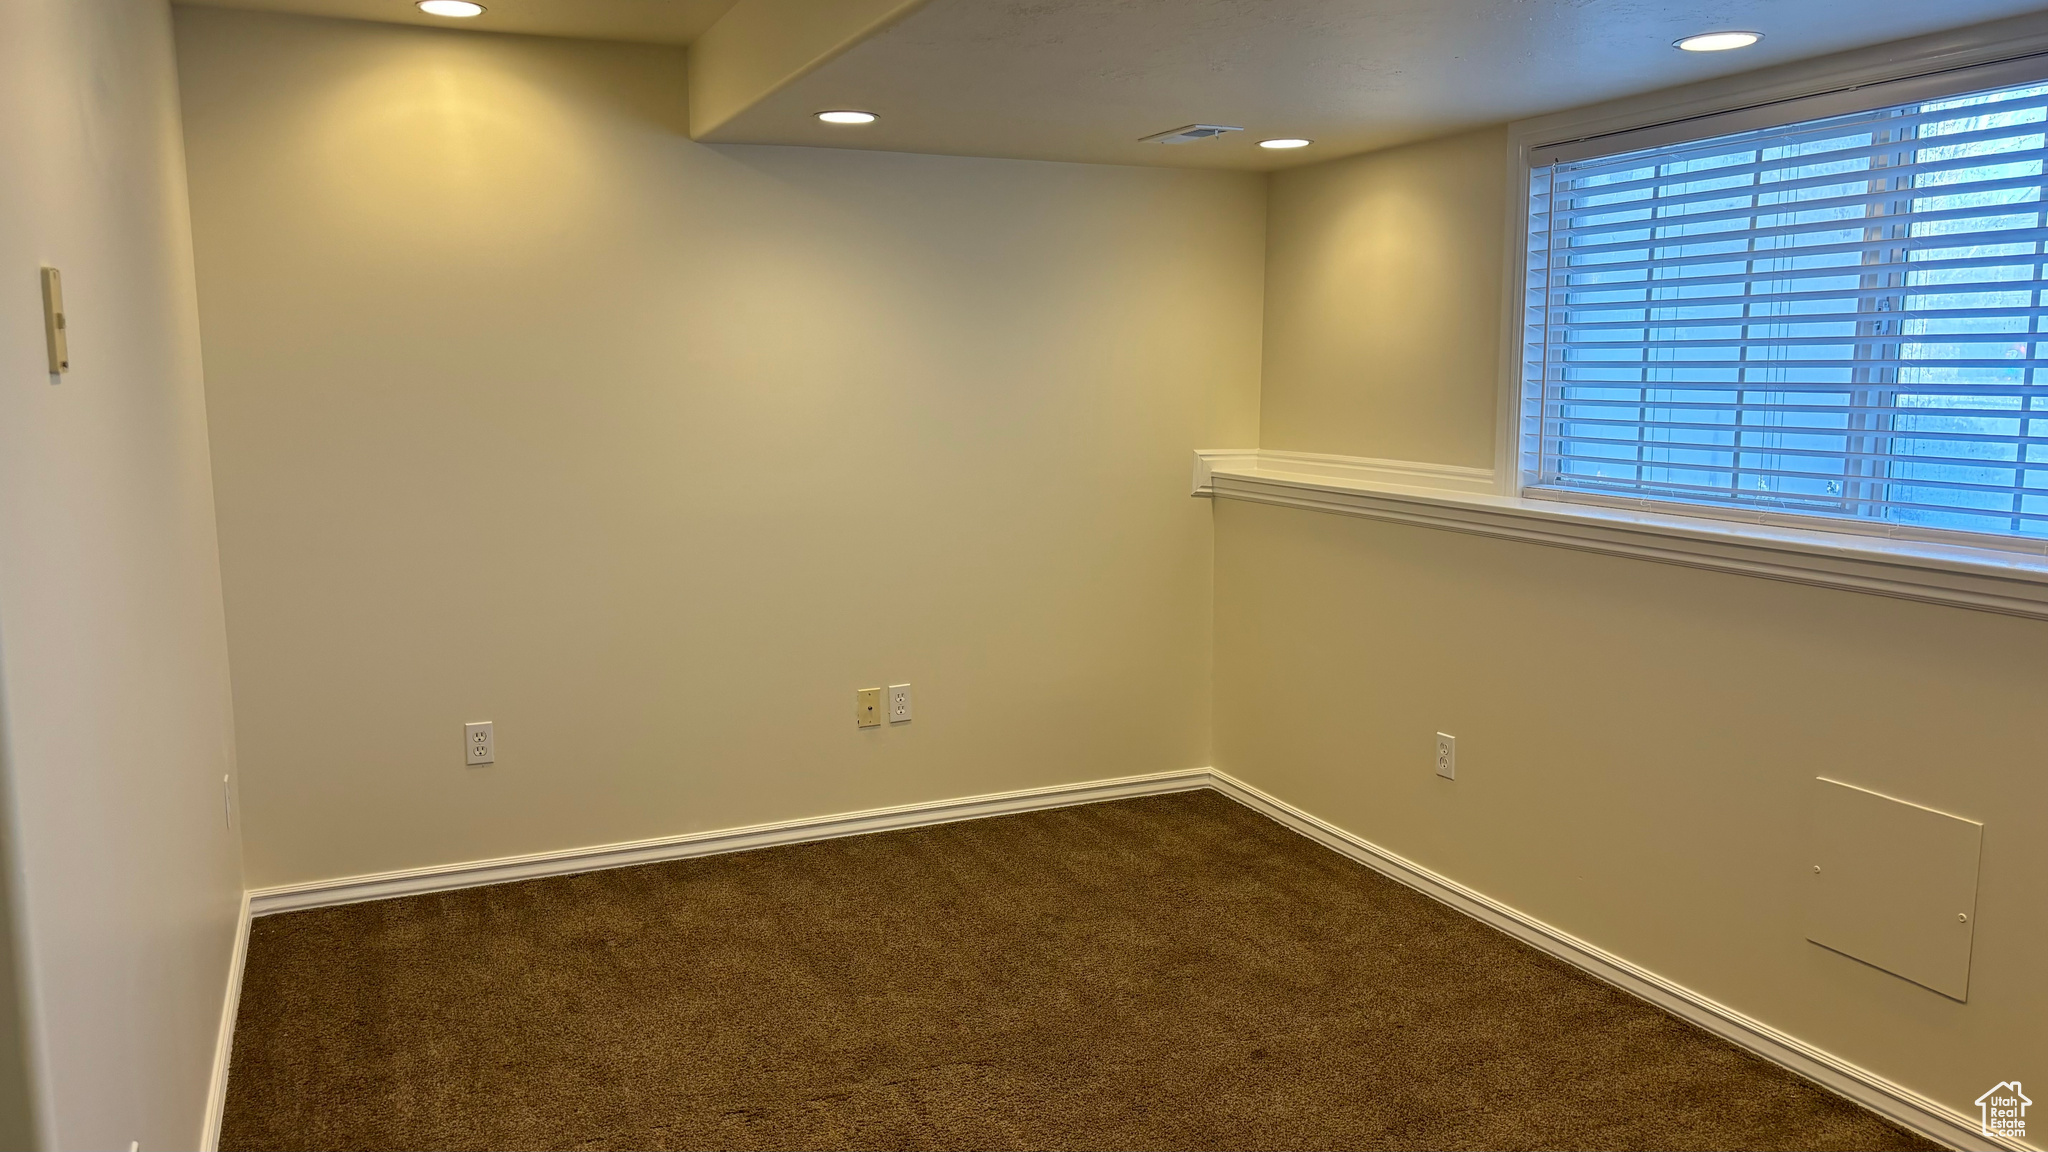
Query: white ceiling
649	21
1084	79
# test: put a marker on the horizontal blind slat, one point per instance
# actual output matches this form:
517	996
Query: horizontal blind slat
1768	502
1746	470
1891	222
1869	338
1795	409
1778	299
1806	251
1826	389
1576	216
1793	275
1655	272
1890	315
1560	420
1945	362
1792	207
1579	176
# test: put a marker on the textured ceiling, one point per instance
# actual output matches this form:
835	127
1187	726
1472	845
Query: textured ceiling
649	21
1084	79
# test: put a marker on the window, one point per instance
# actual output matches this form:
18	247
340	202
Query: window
1841	317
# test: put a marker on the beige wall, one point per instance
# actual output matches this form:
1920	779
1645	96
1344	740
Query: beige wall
123	885
528	409
1636	741
1383	290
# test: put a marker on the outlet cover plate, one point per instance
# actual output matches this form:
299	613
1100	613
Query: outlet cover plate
482	742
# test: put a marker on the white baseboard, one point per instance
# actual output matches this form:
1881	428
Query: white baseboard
1896	1103
441	878
224	1044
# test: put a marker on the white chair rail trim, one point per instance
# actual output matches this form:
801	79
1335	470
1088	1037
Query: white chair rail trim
1465	500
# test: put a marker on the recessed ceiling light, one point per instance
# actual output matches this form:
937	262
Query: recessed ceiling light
455	8
847	116
1286	142
1717	41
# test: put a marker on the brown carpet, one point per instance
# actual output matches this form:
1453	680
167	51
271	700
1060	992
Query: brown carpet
1172	972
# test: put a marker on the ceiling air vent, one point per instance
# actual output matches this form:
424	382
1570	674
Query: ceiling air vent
1190	134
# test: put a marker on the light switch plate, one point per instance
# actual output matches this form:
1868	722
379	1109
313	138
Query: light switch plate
56	336
1893	884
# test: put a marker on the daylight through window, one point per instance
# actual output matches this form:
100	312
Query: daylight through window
1841	317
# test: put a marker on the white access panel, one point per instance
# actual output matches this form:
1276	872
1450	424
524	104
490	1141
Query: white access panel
1894	885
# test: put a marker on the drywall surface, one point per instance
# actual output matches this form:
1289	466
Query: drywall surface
1383	298
528	409
759	46
17	1080
1637	744
123	874
1636	741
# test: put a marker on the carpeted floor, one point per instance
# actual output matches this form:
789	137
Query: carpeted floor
1172	972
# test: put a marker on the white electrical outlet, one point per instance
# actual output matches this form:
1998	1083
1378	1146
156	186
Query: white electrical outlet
1447	756
899	703
482	741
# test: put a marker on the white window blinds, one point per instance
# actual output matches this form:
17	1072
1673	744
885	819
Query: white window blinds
1839	317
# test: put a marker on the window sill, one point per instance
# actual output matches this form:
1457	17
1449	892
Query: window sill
1464	500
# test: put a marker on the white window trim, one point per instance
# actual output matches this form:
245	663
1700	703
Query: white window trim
1984	573
1468	500
1991	574
1828	78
